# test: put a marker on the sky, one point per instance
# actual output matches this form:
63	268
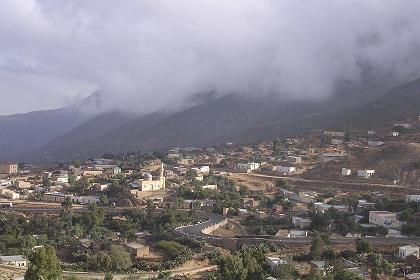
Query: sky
147	55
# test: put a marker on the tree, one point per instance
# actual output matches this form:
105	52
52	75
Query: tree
380	266
67	203
243	190
286	271
76	163
318	246
108	276
363	246
120	258
231	267
44	265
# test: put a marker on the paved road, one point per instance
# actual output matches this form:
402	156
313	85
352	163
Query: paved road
326	181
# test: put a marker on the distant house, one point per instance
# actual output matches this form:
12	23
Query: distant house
273	263
286	169
248	202
408	250
334	133
412	198
384	218
322	207
301	223
284	233
345	171
92	173
327	157
336	141
294	160
17	261
8	168
210	187
22	184
248	166
365	173
372	143
137	250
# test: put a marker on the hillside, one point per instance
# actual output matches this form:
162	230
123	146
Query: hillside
234	118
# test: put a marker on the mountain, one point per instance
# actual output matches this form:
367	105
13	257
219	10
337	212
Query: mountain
233	118
21	133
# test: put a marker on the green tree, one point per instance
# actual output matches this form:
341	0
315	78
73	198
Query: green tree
67	203
363	246
108	276
44	265
318	246
231	267
286	270
120	258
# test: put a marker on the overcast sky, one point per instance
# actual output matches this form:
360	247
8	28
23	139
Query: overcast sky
145	55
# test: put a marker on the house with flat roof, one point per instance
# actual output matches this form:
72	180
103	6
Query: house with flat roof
408	250
17	260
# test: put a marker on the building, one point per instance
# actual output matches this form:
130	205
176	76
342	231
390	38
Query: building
334	133
18	260
327	157
301	223
8	168
336	141
286	169
88	199
408	250
210	187
54	197
62	178
273	263
412	276
365	173
294	160
9	194
384	218
149	184
412	198
92	173
322	207
22	184
248	202
345	171
137	250
248	166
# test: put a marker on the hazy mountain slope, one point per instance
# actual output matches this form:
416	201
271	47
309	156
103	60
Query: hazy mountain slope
99	135
234	118
24	132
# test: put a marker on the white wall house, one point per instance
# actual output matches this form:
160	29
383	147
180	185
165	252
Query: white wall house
249	166
18	260
384	218
365	173
286	169
345	171
408	250
412	198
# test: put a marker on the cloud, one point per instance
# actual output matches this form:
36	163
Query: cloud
149	55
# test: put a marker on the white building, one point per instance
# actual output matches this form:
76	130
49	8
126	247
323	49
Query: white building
273	262
149	184
210	187
62	178
334	133
18	260
365	173
345	171
408	250
384	218
286	169
248	166
294	160
412	198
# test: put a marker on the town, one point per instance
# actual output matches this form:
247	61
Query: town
337	204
